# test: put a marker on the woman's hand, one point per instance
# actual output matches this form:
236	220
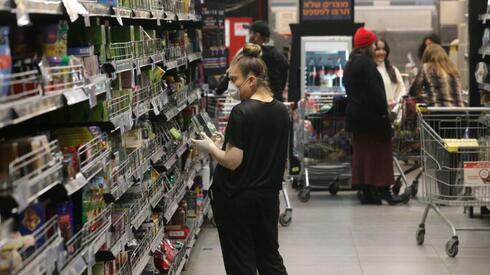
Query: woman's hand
205	144
218	139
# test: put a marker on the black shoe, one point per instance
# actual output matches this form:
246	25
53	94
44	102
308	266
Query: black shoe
386	195
363	198
367	197
373	195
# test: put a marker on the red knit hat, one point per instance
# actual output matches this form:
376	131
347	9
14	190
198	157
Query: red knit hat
363	38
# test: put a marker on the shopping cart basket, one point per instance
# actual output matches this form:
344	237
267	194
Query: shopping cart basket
322	145
220	107
455	153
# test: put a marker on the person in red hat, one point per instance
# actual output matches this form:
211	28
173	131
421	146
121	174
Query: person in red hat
368	121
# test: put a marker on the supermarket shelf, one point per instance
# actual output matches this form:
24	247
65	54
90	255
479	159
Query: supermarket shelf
172	203
27	183
177	63
194	57
41	260
158	154
181	258
173	111
157	240
93	165
56	7
24	109
143	215
44	7
193	173
141	256
176	195
85	244
181	150
122	65
78	265
118	246
158	195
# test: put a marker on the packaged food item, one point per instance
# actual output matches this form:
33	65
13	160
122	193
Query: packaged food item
9	260
31	219
93	200
192	204
54	39
66	219
203	123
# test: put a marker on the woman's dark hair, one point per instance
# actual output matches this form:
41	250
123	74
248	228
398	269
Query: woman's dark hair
363	51
389	67
434	38
367	51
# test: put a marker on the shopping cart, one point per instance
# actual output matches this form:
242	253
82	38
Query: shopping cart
219	108
453	140
406	144
322	145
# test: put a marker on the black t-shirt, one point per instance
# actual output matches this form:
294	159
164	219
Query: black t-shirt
260	129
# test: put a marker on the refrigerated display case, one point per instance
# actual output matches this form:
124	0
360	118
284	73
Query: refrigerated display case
323	60
319	52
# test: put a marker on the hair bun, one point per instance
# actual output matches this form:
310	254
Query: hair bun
252	50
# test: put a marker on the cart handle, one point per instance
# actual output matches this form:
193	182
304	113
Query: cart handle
456	109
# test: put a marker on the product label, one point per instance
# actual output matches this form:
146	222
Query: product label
477	173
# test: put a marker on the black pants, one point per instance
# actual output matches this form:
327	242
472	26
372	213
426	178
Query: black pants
247	227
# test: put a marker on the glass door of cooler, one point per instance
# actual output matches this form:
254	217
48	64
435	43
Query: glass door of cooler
323	59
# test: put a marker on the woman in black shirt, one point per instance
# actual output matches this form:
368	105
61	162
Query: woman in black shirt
248	178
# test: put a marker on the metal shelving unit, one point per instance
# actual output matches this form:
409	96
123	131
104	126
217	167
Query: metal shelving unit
40	95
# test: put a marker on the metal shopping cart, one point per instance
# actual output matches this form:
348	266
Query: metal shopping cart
322	145
219	108
455	152
406	144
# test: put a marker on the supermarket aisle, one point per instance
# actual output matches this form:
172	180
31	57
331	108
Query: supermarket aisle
336	235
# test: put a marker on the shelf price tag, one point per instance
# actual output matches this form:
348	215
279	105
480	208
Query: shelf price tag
74	9
21	13
92	96
118	16
86	20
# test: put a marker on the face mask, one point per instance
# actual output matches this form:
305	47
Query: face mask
234	91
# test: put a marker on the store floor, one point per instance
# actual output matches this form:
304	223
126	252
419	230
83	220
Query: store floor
337	235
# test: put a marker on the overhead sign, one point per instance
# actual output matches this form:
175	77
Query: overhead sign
327	10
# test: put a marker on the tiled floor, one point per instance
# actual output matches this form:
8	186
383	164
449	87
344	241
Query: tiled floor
337	235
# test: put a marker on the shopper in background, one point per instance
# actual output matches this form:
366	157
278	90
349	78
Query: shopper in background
438	83
276	62
248	178
428	40
392	79
367	120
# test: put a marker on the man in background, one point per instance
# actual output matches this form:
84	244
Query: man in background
276	62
